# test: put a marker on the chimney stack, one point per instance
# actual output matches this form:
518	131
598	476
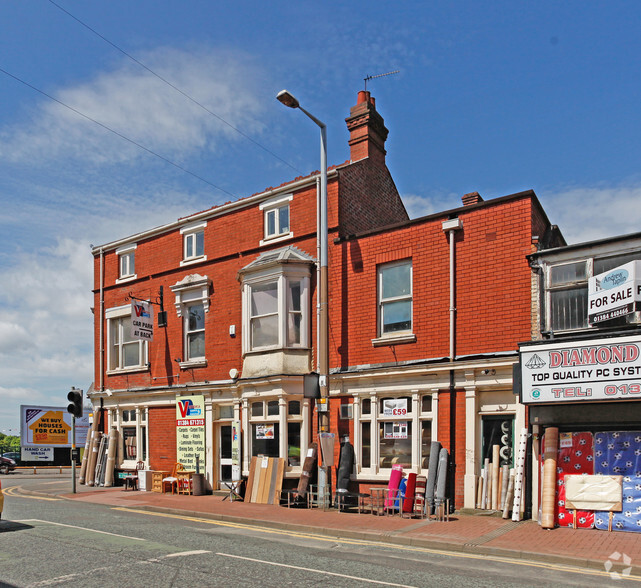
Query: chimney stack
471	198
367	131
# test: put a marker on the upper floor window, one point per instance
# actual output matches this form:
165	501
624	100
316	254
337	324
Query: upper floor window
567	290
123	351
126	262
395	298
193	243
276	218
195	332
276	300
192	304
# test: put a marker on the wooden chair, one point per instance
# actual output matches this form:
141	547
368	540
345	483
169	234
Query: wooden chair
131	479
171	481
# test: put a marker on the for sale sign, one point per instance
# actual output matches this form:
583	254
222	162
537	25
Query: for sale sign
614	293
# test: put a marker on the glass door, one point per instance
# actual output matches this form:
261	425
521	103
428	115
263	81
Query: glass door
224	452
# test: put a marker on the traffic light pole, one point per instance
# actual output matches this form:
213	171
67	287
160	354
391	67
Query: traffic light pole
73	454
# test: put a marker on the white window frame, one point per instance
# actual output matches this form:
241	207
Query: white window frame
142	434
187	331
415	415
113	318
190	235
273	207
283	279
193	289
126	255
401	336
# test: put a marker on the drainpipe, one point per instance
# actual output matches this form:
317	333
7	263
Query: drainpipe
102	319
451	226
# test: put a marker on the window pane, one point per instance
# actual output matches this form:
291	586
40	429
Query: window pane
131	354
200	243
264	299
397	316
283	219
196	317
366	406
264	331
396	445
294	296
189	246
366	461
396	280
569	308
226	412
294	407
196	345
293	444
570	272
272	408
265	439
604	265
293	329
271	222
225	442
426	403
129	442
257	409
426	441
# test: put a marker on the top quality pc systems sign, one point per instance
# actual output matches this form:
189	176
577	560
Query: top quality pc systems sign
597	370
614	293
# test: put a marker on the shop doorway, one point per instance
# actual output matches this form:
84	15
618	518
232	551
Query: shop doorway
223	439
499	430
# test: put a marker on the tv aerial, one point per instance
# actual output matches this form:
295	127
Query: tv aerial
389	73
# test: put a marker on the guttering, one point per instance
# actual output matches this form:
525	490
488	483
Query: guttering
213	212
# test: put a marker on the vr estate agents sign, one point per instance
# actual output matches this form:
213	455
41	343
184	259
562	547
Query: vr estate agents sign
190	431
598	369
614	293
142	320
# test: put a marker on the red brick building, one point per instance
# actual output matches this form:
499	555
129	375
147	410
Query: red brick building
425	315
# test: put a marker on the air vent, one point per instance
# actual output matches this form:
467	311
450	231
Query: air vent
346	412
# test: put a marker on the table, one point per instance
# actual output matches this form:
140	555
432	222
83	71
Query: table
379	496
234	489
184	483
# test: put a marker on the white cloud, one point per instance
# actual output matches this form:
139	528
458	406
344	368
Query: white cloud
135	103
418	206
586	213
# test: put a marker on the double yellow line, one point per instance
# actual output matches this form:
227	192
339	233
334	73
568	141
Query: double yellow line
18	492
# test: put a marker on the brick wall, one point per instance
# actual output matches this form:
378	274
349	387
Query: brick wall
162	437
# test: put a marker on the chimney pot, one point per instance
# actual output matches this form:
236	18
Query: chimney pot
471	198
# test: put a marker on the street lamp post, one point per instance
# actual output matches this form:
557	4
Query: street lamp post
323	319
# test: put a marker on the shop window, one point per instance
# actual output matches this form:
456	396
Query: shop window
133	434
395	443
395	298
293	444
366	444
265	439
123	352
426	443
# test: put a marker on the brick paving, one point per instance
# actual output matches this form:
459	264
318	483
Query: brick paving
489	535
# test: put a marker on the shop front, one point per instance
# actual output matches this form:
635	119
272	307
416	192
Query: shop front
583	398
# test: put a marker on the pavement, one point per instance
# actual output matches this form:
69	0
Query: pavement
479	534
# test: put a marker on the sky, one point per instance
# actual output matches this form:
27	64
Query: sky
121	116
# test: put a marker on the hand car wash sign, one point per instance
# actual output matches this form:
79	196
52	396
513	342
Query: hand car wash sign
598	369
614	293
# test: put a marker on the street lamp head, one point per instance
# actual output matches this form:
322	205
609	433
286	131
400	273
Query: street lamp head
287	99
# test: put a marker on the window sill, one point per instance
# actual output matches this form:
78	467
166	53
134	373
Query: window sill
128	370
194	363
193	260
276	238
394	340
126	279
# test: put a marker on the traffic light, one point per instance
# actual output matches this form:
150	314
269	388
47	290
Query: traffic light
75	397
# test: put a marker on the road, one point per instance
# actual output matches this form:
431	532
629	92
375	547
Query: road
58	542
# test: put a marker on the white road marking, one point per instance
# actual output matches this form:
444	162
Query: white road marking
81	528
184	553
323	572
